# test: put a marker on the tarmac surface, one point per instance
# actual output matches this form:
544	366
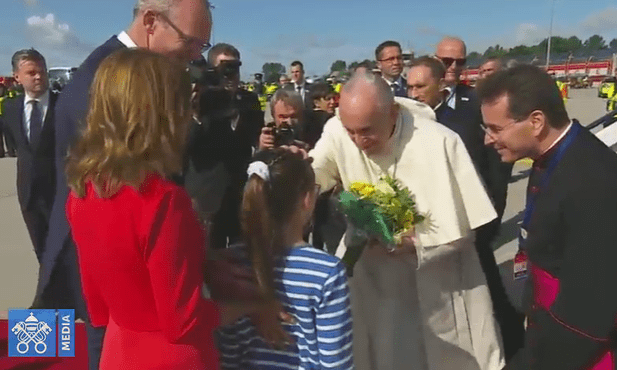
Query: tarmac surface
19	267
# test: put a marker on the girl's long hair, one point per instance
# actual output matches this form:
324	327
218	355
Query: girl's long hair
136	124
268	205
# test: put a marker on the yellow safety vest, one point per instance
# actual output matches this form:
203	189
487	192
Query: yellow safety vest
263	102
610	90
611	103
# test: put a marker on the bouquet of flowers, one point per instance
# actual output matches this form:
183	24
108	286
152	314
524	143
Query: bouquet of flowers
386	211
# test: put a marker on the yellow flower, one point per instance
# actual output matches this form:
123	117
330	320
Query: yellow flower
362	188
358	186
367	191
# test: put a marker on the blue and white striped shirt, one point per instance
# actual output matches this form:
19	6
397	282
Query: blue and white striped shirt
312	286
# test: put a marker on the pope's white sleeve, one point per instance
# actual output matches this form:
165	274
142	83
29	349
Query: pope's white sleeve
432	254
476	203
324	163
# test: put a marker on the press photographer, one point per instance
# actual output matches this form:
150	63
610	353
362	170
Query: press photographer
287	127
226	126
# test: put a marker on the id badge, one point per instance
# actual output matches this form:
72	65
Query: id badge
520	265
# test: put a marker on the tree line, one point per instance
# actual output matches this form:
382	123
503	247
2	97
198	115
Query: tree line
572	44
559	45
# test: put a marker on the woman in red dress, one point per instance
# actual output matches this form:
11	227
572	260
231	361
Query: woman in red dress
139	244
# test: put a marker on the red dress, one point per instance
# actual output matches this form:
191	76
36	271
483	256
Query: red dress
141	255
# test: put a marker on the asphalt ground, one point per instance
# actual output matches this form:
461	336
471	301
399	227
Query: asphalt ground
19	267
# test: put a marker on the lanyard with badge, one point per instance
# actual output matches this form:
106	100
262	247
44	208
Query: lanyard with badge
521	259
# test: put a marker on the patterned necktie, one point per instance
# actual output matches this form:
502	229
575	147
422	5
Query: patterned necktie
394	87
36	122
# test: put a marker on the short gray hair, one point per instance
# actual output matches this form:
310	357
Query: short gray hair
385	96
26	54
160	6
288	97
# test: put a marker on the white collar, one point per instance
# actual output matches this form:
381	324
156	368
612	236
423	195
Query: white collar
398	81
43	99
124	38
438	105
563	134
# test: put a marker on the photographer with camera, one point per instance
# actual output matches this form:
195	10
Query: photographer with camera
287	128
220	144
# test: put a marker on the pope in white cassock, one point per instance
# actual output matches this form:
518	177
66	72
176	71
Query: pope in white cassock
427	305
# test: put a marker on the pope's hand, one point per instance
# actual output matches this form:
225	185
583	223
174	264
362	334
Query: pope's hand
298	150
405	247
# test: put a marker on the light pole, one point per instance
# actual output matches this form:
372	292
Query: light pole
212	7
550	35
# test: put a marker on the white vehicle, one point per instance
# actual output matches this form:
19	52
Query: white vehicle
60	76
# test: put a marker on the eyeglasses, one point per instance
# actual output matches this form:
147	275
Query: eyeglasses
449	61
492	131
392	59
187	40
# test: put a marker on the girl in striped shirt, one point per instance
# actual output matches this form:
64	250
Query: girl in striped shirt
310	284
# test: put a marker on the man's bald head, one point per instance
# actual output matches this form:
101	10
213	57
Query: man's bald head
368	112
451	42
452	52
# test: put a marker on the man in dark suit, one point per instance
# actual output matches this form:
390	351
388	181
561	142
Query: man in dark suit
425	83
299	84
389	57
228	142
29	120
179	29
465	107
567	241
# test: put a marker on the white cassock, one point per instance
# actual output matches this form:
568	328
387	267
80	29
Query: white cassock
433	311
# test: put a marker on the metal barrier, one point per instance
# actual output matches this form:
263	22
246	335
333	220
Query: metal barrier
606	120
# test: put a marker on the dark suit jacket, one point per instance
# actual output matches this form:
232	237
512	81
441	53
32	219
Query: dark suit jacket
471	138
401	91
214	143
572	235
71	110
495	173
35	161
308	101
314	122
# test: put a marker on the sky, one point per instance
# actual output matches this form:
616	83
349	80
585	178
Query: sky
317	32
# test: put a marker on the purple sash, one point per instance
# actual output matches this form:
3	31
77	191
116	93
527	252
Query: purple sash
545	290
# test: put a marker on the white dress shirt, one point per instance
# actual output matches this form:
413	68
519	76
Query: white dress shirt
398	81
302	89
124	38
43	105
451	99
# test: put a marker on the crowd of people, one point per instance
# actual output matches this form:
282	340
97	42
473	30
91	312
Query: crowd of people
190	229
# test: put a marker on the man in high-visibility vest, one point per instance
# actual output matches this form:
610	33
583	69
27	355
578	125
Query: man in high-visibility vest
563	88
611	103
2	97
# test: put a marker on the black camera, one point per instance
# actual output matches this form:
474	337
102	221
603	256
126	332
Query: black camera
284	134
215	99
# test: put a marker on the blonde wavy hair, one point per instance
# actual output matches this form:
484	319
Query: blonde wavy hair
137	123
